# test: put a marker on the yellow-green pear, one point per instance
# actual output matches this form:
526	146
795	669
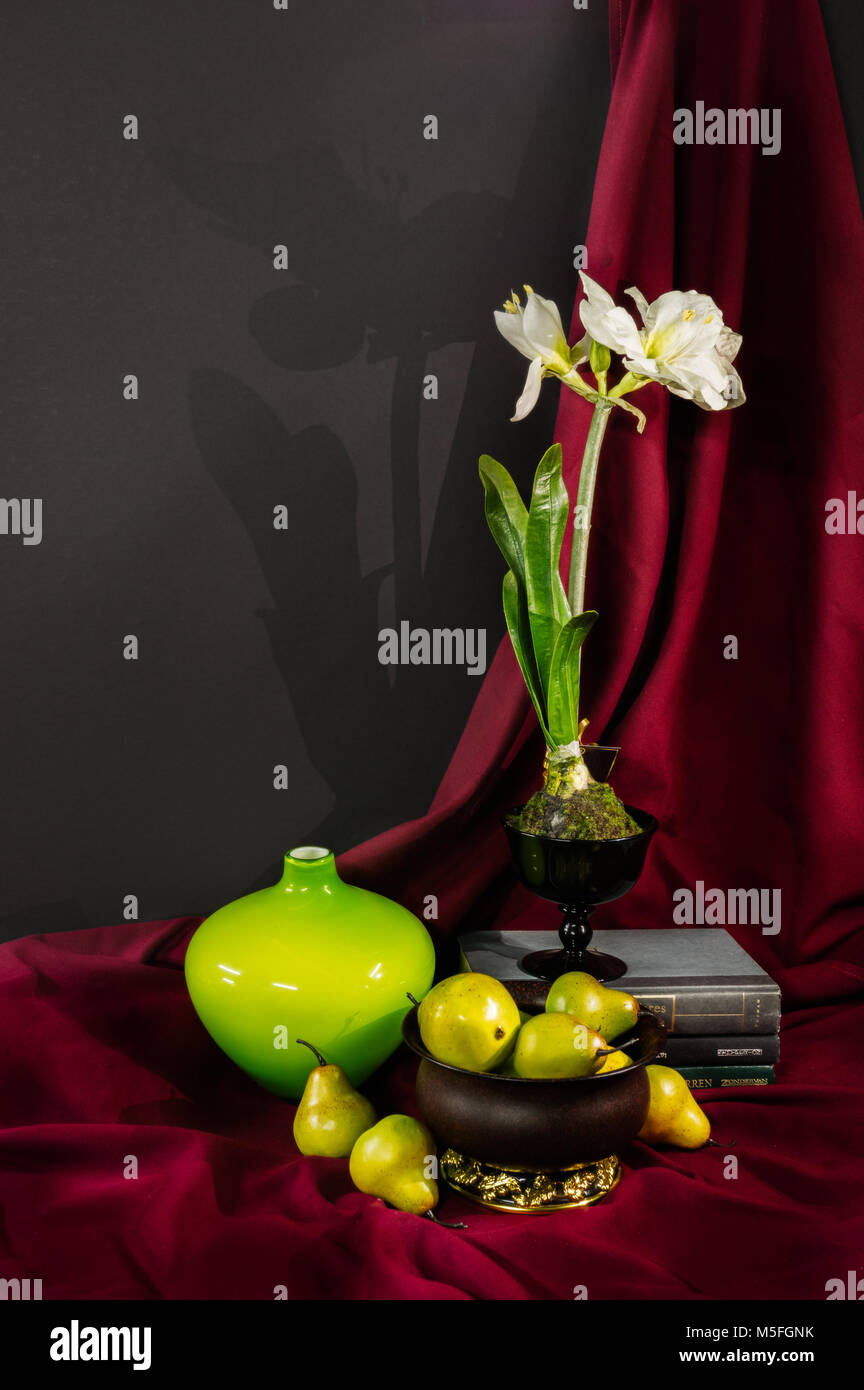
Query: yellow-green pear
610	1011
556	1045
331	1115
614	1062
393	1160
674	1117
469	1021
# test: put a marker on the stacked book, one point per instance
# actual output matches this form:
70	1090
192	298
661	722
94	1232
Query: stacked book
721	1009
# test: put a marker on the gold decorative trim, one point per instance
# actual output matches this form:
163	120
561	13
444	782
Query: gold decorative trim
515	1189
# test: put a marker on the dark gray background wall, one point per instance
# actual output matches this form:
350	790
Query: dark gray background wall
260	388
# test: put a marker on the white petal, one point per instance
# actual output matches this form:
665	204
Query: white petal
703	343
642	366
530	391
728	343
679	391
541	324
719	390
614	327
678	331
640	301
708	399
674	303
710	369
671	303
605	321
693	388
581	351
510	327
601	298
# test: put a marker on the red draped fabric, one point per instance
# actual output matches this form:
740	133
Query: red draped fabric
112	1065
705	528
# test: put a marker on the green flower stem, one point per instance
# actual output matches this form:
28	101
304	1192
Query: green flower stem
585	503
628	383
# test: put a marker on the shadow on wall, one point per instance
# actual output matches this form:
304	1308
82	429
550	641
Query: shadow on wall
370	282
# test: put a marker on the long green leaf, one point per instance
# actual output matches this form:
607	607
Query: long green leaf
506	514
519	627
548	609
563	696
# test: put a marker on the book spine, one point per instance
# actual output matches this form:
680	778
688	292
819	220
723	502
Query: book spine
701	1078
713	1013
687	1051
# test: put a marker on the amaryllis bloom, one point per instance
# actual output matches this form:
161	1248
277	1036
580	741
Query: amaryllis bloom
683	344
537	332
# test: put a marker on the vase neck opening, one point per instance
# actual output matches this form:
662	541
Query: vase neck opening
309	854
309	868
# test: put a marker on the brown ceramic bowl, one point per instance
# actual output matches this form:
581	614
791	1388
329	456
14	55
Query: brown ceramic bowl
516	1122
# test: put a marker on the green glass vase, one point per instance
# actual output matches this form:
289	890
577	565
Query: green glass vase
313	958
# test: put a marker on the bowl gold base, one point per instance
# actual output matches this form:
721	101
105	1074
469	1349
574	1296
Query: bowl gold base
520	1189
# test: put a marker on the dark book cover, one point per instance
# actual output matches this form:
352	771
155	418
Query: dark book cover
728	1050
701	1078
698	980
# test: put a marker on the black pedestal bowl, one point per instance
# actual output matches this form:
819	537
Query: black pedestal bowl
579	875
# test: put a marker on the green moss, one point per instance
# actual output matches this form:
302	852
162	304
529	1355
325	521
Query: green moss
592	814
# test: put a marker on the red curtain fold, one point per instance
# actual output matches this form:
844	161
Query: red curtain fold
709	527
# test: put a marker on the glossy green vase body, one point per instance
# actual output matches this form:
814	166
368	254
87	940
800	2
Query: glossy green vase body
309	958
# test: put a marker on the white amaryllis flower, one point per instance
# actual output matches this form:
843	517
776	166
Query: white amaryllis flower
684	343
537	332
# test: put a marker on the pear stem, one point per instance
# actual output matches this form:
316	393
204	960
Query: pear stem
304	1043
716	1144
448	1225
415	1002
